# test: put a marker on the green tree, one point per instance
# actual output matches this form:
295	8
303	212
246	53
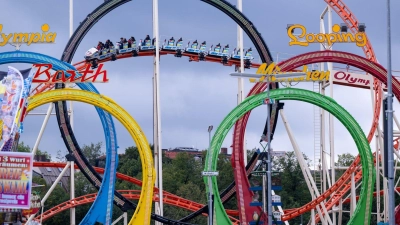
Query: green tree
25	148
45	153
294	191
345	159
250	154
183	169
82	187
182	176
92	152
57	197
61	156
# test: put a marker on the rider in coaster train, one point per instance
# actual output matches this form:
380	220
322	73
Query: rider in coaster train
145	40
108	44
153	42
171	41
203	46
131	41
194	44
226	47
217	47
179	40
121	43
248	52
100	46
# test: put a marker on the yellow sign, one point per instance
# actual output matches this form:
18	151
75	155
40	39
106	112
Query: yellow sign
359	38
274	73
28	38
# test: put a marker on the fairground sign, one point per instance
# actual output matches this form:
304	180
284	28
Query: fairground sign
275	75
352	79
15	179
43	75
359	38
28	38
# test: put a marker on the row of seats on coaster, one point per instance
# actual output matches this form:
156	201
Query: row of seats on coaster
107	50
201	49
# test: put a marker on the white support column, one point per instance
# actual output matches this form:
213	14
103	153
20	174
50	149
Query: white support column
46	119
352	195
385	185
340	212
377	181
123	216
51	190
240	95
157	117
323	147
312	217
377	153
322	132
322	30
331	127
71	119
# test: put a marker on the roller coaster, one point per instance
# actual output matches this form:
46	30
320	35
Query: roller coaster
363	169
192	50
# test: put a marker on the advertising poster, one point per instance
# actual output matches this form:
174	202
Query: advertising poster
11	88
15	179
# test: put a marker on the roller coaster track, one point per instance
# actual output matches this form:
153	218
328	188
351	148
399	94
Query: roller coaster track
142	214
88	23
348	17
244	196
105	118
336	195
363	209
345	187
82	65
178	201
370	67
331	1
129	194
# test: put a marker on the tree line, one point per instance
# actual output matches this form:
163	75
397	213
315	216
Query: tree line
182	177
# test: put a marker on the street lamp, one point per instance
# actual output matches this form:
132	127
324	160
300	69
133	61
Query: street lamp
389	113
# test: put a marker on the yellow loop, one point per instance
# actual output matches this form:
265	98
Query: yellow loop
142	213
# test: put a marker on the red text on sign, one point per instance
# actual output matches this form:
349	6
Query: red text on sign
43	75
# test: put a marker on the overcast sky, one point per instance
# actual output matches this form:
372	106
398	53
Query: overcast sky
196	95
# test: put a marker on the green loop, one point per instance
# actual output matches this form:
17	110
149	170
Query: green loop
362	213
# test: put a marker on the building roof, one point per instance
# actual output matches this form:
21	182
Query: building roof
50	175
